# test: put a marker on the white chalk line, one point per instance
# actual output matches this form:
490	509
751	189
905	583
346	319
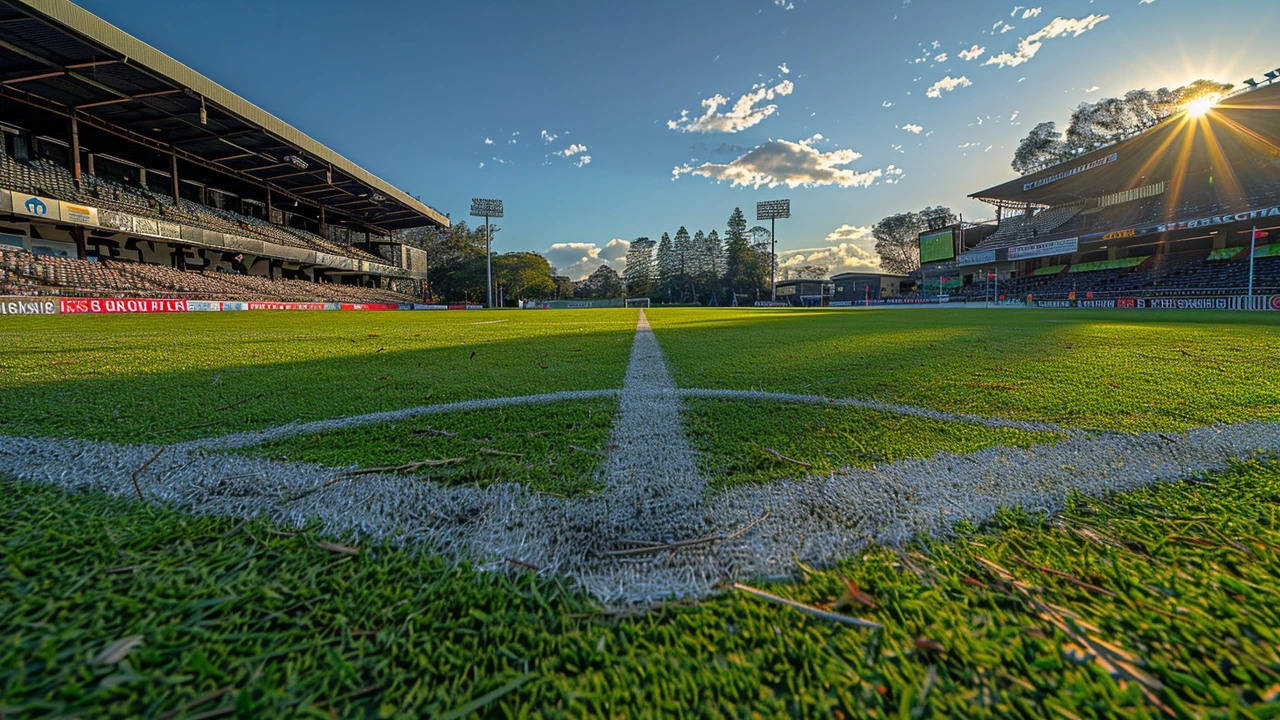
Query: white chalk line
604	543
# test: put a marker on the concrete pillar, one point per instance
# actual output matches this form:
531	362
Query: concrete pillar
75	148
173	176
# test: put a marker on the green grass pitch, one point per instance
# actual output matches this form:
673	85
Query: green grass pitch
1157	602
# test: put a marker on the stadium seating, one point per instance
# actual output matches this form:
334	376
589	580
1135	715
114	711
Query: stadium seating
42	177
22	273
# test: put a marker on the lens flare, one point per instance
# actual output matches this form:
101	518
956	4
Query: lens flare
1202	105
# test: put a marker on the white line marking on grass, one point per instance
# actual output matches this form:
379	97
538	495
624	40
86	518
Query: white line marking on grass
280	432
1027	425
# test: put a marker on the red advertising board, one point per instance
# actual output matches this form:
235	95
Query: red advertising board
285	306
74	306
369	306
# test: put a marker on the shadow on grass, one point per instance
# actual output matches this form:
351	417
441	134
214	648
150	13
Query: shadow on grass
169	379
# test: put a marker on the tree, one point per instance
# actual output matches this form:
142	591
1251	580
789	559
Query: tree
1106	121
523	275
638	273
666	266
1042	147
715	252
742	262
604	283
684	259
898	237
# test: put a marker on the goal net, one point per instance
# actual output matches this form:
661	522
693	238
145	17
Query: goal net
637	302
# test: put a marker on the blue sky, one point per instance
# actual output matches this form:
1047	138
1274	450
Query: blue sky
412	91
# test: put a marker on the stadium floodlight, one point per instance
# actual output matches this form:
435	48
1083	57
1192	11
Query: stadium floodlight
296	161
487	208
773	210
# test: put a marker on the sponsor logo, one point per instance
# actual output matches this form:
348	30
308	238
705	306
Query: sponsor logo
1275	302
1255	214
36	206
77	213
1068	173
1117	234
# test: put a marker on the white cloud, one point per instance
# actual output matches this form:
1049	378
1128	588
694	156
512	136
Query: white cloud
1145	2
946	84
742	115
583	160
573	149
1006	28
1031	12
941	58
1031	44
488	141
1093	89
838	258
780	162
548	138
785	4
913	129
972	53
784	69
482	166
886	103
850	233
578	260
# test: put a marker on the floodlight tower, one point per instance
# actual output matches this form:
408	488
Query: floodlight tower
773	210
487	208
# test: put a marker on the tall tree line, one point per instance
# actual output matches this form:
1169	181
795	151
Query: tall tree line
706	268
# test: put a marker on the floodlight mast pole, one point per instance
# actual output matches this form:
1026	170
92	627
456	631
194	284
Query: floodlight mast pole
773	210
773	259
487	208
488	260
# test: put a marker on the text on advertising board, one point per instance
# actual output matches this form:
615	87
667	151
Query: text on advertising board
1255	214
1068	173
27	306
1044	249
120	305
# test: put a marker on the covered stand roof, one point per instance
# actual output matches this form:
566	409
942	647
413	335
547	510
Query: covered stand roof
57	56
1230	151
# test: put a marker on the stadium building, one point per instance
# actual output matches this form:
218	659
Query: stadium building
125	173
1167	213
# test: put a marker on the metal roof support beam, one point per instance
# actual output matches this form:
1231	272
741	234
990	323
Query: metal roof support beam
75	148
29	78
125	99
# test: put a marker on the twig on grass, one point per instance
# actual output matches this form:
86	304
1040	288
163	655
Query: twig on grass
1065	576
408	467
197	702
780	456
238	403
589	452
491	451
651	548
808	609
138	472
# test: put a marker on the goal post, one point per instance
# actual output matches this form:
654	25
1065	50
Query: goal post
640	302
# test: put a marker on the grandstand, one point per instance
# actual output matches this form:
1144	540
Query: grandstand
124	173
1169	212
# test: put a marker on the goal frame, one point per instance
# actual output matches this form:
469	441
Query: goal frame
639	302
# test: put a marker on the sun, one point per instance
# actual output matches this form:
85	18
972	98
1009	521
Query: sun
1202	105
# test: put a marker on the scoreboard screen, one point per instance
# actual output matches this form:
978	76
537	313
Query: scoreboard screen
937	245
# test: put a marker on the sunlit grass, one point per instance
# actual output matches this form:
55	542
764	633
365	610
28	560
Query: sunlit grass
1103	369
